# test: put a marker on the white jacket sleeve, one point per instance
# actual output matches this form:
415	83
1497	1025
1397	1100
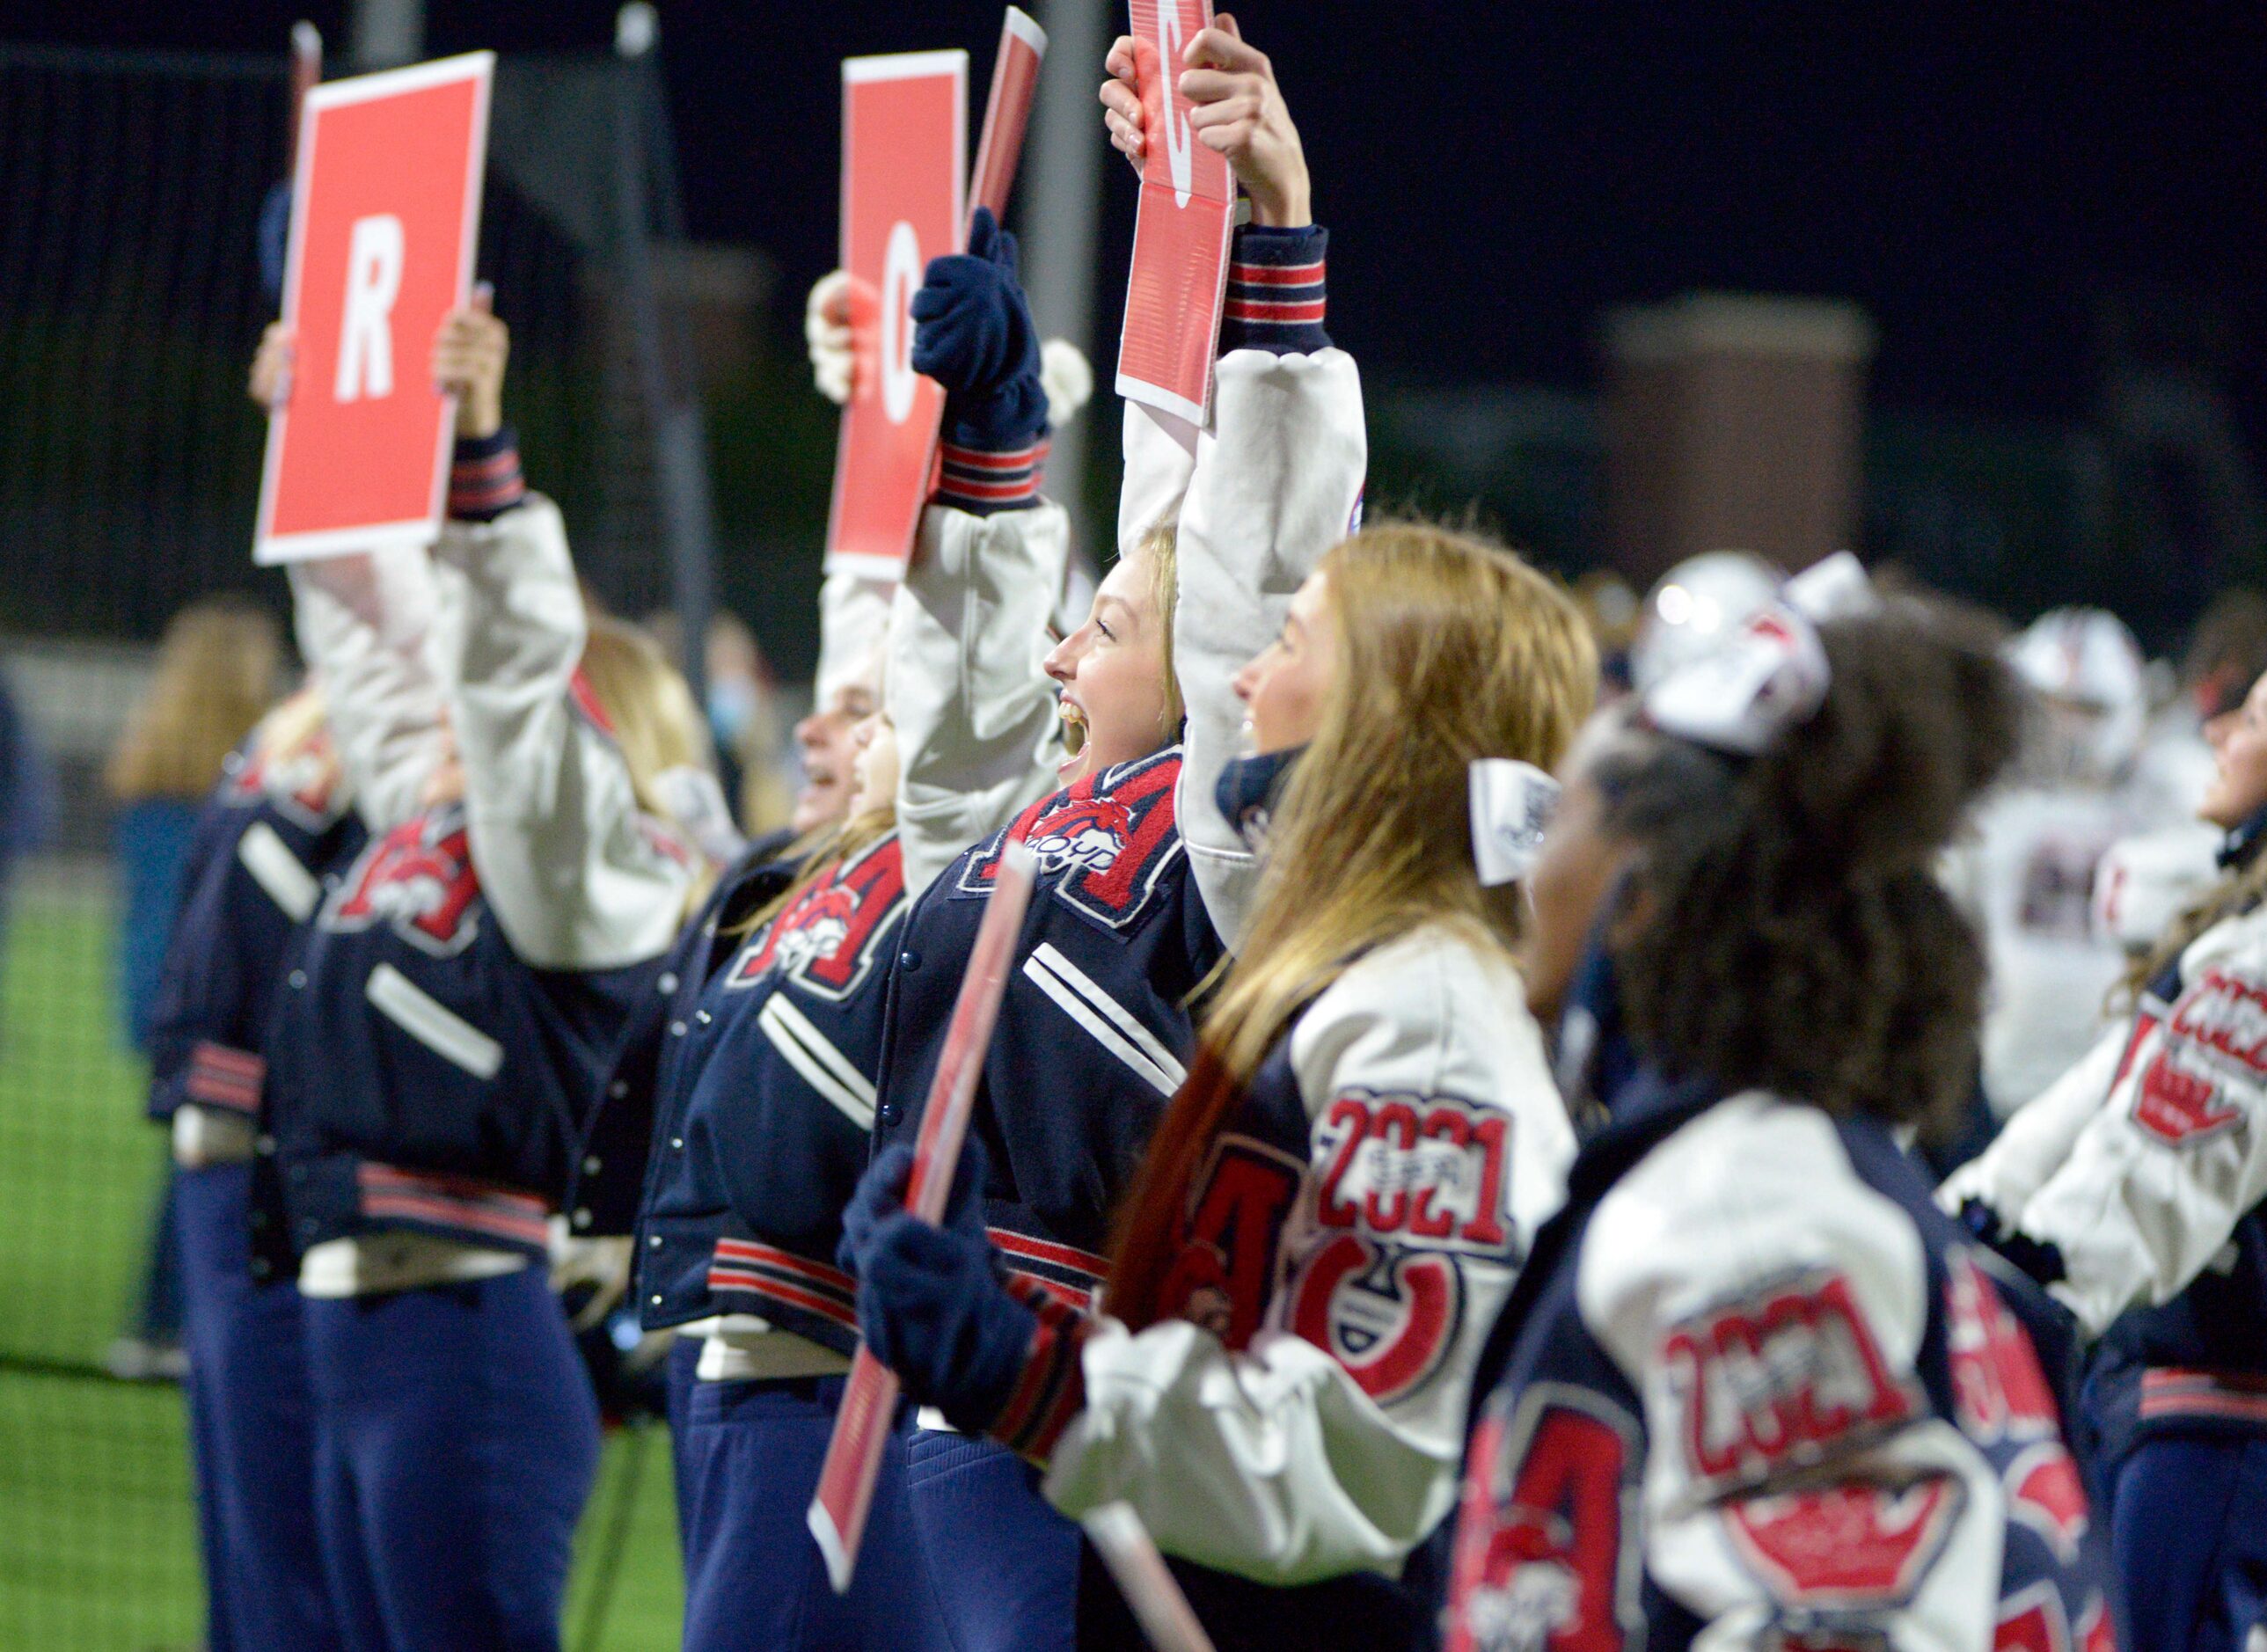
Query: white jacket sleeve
1275	485
974	713
1437	1147
1741	1268
2155	1184
364	624
2039	1137
854	623
578	877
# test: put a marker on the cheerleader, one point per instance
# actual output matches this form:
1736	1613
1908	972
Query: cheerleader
1143	878
2132	1189
278	822
1340	1194
1752	1387
761	1090
444	1027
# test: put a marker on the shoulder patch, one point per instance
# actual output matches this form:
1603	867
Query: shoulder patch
418	877
826	940
1777	1378
1409	1185
1103	845
2215	1035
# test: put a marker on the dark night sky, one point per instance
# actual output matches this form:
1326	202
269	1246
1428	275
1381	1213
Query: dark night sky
1493	175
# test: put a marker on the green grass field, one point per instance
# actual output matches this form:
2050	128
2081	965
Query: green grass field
98	1539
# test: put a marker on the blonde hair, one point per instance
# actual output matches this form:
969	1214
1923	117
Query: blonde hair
819	852
2240	891
1161	544
215	678
645	700
1449	649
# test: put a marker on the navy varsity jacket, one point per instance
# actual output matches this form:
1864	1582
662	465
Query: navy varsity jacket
264	842
1142	880
763	1101
448	1024
1095	1025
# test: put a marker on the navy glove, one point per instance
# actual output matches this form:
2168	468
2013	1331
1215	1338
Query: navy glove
882	1193
974	333
933	1308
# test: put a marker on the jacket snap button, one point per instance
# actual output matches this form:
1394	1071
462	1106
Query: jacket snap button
909	960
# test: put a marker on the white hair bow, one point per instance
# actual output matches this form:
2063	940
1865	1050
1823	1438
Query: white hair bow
1511	804
1773	673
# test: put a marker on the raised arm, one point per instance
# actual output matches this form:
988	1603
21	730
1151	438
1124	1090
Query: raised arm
1279	479
577	875
974	713
2175	1155
364	624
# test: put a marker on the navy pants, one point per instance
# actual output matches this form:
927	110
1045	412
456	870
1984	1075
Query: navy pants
253	1428
753	1575
456	1439
1004	1566
679	1379
2189	1532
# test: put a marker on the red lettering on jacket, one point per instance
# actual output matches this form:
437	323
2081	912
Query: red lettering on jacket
419	877
1779	1378
1226	1267
1998	1391
825	938
1540	1562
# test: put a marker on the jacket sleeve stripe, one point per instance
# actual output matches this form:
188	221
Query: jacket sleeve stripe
433	1023
263	852
822	1066
1108	1022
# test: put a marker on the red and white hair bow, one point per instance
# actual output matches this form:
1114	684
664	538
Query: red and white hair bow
1770	675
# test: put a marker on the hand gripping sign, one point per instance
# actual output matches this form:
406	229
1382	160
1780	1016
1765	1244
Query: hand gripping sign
904	155
1176	289
386	204
861	1427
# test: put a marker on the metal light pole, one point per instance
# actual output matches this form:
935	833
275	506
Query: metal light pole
386	33
1062	207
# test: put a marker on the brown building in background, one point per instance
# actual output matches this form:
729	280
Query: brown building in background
1733	422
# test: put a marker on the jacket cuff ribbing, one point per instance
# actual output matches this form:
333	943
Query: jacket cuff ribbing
981	481
1275	297
1052	1388
484	477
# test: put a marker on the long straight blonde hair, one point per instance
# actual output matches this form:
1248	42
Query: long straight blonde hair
216	675
1449	649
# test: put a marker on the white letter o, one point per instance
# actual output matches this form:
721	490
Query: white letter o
901	278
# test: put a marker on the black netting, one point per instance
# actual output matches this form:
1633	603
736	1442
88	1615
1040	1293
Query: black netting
130	467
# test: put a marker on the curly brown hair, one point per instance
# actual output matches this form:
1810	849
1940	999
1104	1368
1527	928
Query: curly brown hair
1791	933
